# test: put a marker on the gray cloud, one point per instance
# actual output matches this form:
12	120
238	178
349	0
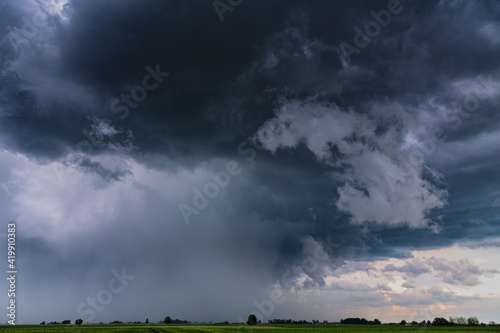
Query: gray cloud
413	267
94	192
459	272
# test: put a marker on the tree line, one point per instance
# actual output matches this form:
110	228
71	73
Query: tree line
252	320
79	321
438	321
360	321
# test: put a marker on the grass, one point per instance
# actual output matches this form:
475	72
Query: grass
158	328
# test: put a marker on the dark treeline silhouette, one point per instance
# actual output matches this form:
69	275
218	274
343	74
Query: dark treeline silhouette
169	320
79	321
453	321
471	321
252	320
64	322
360	321
288	321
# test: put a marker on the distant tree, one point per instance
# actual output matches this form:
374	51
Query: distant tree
403	322
252	320
492	323
473	321
440	321
355	321
414	323
78	321
66	322
428	323
167	320
42	323
147	321
377	322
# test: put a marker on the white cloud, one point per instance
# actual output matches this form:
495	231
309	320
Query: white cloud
57	202
377	188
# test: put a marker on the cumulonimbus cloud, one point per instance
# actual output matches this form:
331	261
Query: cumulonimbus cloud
366	154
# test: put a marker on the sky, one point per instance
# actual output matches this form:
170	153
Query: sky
206	160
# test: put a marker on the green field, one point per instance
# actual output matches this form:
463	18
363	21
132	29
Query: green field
143	328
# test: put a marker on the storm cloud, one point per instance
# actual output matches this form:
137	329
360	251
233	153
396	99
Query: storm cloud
119	119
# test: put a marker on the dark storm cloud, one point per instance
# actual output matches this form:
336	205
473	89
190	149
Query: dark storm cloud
226	80
106	174
290	50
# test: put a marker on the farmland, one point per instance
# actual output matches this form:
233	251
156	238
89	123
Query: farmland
159	328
